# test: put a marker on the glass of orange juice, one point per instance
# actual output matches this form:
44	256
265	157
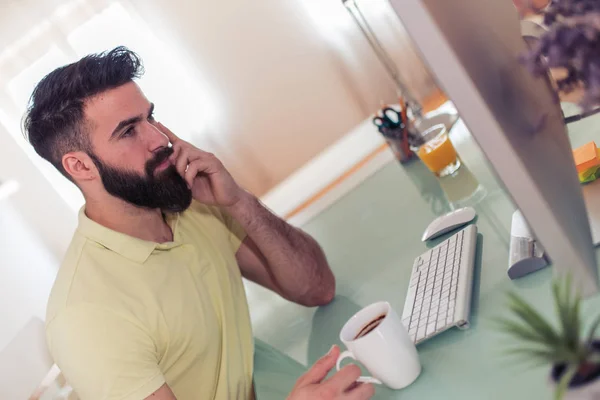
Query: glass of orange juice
437	151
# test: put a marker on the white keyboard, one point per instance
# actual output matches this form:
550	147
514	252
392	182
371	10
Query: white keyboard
439	293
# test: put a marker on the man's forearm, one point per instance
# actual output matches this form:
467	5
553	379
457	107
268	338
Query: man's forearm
295	260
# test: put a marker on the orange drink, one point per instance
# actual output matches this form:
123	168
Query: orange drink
437	151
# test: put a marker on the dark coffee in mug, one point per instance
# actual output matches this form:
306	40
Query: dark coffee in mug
374	323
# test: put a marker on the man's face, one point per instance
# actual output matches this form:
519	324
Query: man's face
131	154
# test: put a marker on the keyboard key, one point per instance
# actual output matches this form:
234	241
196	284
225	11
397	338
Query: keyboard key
421	332
450	319
451	304
413	337
430	329
406	322
415	278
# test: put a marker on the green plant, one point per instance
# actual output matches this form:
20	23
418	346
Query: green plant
565	345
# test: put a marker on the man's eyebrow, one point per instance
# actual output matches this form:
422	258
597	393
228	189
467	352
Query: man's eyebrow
151	110
130	121
124	123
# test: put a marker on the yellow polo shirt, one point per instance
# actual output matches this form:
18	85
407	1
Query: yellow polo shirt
127	315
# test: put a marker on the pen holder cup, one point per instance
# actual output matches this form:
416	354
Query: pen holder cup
400	148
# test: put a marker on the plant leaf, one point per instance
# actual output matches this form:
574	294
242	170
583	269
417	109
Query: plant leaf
567	308
536	357
575	339
592	332
593	358
565	380
522	331
539	350
533	318
575	317
576	324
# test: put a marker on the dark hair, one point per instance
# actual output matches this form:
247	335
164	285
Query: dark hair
54	123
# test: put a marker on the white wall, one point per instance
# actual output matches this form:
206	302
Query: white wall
288	85
27	271
37	202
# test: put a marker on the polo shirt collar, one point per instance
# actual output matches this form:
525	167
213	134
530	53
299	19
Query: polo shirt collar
135	249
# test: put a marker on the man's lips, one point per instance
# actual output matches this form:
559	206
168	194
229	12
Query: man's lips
163	165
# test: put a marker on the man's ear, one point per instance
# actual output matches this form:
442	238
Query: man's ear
80	166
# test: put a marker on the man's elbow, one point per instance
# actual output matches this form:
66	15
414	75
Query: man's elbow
328	294
320	294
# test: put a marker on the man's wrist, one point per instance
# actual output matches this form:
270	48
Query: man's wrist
243	205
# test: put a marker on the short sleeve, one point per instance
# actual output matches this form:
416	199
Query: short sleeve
103	355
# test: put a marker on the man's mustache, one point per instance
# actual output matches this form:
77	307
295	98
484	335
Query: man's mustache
161	155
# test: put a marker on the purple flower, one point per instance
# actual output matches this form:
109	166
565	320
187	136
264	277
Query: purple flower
573	44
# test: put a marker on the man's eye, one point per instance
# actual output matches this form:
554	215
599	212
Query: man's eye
128	132
151	117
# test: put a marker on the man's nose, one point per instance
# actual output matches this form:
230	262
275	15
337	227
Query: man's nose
156	139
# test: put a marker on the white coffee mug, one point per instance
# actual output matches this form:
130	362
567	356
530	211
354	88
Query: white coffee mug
386	351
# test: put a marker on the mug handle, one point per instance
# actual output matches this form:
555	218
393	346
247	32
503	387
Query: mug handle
362	379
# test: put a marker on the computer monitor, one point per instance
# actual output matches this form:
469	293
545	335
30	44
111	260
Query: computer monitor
473	49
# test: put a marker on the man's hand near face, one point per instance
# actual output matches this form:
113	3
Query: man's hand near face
274	254
209	181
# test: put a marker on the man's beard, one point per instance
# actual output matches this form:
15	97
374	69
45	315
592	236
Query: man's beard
166	190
